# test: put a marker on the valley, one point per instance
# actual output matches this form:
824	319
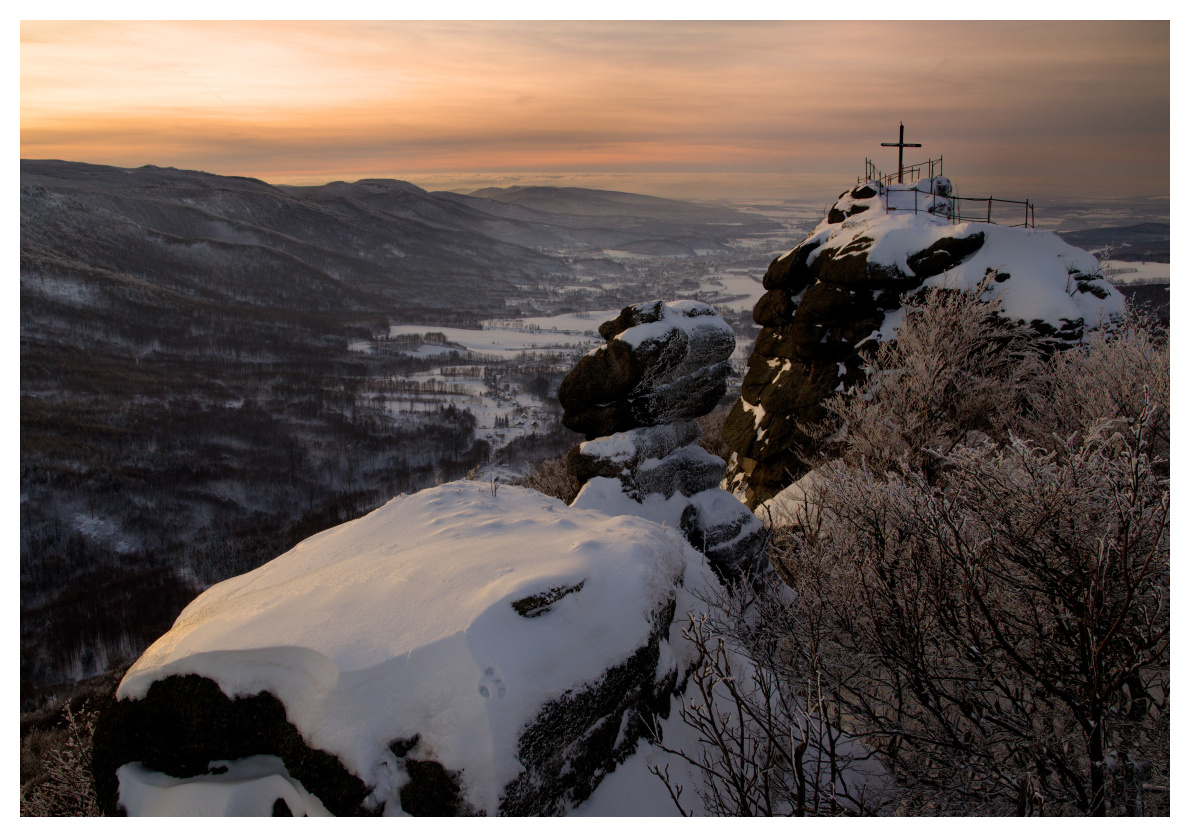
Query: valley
213	369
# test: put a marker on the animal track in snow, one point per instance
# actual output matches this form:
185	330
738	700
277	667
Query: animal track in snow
491	682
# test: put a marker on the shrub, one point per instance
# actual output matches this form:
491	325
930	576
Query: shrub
58	765
977	587
551	477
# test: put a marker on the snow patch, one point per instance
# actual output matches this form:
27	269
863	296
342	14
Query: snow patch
246	787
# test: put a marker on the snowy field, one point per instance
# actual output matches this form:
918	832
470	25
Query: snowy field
1136	273
564	334
741	286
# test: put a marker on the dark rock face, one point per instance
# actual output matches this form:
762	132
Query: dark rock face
186	722
580	737
660	364
821	302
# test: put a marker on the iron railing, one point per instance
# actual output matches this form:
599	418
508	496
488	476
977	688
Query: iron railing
959	209
914	170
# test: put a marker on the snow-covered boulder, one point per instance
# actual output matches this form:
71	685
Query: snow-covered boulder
841	286
637	398
460	650
714	521
661	363
650	460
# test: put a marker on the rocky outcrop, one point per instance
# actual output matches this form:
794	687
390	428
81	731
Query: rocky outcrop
461	651
660	364
637	397
831	295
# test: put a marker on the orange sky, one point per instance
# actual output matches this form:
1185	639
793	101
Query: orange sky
1031	107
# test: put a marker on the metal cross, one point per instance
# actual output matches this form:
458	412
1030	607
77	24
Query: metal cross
901	146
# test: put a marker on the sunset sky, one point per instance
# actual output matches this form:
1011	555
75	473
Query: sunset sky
718	109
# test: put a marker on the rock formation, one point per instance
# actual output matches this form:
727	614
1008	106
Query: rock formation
833	293
636	398
460	651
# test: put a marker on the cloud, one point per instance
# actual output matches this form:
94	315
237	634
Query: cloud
239	97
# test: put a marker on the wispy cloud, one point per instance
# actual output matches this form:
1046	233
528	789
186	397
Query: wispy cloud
1051	98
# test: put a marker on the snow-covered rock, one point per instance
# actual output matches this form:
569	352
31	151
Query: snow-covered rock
841	287
650	460
460	650
661	363
637	398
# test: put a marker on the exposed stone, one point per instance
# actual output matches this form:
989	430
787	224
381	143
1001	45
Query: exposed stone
611	455
660	363
539	604
944	254
687	471
724	530
650	460
186	722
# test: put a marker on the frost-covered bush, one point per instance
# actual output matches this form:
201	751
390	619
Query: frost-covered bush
61	784
1116	375
956	372
551	477
980	581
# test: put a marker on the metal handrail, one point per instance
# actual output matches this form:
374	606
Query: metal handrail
913	170
955	210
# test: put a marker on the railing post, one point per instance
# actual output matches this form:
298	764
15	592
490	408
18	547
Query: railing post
989	209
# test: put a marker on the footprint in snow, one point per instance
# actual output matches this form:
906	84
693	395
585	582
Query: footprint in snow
491	682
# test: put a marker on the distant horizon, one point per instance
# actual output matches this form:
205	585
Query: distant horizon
708	187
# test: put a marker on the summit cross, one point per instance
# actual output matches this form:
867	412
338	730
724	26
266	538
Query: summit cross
901	146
